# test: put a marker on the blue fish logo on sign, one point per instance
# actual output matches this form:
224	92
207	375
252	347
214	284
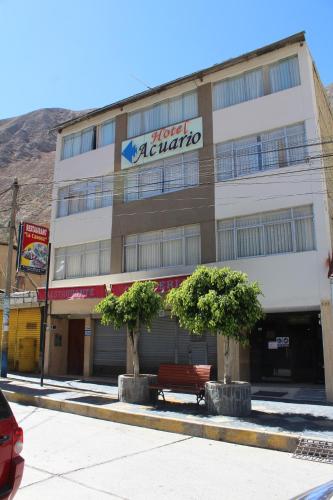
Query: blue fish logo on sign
130	151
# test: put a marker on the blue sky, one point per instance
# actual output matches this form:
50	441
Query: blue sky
82	54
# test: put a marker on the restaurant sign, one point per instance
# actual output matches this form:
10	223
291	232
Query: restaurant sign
163	284
161	143
33	248
72	293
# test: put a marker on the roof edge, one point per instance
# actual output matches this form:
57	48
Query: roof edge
296	38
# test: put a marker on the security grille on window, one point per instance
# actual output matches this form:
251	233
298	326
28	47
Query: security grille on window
249	85
84	196
171	174
78	143
170	247
90	259
268	150
268	233
163	114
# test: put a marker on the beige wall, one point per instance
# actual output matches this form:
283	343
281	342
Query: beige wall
56	356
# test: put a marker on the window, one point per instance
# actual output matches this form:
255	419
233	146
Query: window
238	89
170	247
247	86
81	142
163	114
171	174
284	74
106	133
84	196
268	233
268	150
90	259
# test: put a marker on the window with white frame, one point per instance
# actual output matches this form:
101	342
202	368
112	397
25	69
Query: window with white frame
268	150
162	114
106	133
170	247
78	261
249	85
83	196
78	143
267	233
171	174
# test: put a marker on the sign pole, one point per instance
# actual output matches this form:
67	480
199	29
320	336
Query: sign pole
6	300
44	323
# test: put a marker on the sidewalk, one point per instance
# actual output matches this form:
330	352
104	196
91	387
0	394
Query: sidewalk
272	424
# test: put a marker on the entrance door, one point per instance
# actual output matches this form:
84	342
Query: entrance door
75	346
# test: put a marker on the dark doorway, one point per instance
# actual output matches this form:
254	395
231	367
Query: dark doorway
75	346
287	347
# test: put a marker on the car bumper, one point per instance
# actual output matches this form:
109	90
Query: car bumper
15	477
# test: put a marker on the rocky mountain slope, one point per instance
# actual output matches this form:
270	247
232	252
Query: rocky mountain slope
27	148
329	90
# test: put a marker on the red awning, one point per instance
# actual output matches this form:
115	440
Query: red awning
72	293
164	284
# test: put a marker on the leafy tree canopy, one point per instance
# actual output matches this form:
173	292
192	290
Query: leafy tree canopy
219	300
138	305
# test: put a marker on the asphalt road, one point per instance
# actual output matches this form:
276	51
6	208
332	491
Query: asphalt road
69	457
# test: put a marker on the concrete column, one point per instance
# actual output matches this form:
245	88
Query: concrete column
327	330
241	360
88	347
48	346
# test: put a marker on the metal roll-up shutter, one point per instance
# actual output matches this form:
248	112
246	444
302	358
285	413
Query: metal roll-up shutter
157	346
109	350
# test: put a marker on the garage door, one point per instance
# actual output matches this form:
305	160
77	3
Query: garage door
109	350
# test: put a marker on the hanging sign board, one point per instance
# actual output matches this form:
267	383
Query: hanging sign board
33	248
168	141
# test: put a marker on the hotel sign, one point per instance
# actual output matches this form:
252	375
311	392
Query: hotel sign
161	143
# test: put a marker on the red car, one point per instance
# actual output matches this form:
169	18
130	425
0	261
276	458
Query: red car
11	444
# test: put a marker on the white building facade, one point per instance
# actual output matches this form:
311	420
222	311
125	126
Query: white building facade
228	166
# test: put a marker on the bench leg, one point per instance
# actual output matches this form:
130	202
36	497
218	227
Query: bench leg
200	396
161	393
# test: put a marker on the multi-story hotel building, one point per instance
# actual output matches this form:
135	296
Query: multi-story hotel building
228	166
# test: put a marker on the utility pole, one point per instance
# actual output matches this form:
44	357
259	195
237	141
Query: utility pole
6	300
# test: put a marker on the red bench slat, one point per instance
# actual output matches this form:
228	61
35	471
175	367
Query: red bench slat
182	376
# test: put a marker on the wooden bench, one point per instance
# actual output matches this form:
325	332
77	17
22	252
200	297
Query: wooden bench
190	379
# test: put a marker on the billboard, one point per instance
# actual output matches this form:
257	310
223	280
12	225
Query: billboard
33	248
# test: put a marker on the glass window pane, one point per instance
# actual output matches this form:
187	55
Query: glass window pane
226	247
107	191
246	156
192	250
130	258
149	255
67	150
304	232
249	242
254	84
87	140
278	238
63	202
224	161
131	186
91	259
59	264
105	257
76	144
296	143
173	173
134	126
150	183
284	74
107	133
191	169
172	252
190	105
74	262
175	110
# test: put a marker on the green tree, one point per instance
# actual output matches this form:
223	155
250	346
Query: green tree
218	300
135	308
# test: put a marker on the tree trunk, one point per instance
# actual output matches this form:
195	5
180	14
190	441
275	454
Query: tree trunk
227	361
136	363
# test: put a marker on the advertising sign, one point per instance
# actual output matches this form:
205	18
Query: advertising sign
33	248
282	341
163	284
161	143
72	293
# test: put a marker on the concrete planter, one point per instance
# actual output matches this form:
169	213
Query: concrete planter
135	389
228	399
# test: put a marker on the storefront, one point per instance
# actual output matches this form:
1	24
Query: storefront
288	347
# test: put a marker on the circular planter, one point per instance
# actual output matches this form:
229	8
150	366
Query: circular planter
228	399
133	389
153	393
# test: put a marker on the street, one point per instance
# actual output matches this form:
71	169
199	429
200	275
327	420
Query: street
73	457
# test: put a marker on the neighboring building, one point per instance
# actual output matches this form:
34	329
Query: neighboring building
24	331
223	167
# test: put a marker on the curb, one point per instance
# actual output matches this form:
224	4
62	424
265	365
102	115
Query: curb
247	437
